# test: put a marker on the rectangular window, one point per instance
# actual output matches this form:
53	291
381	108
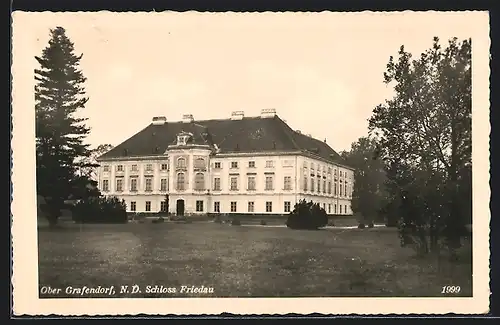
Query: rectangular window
340	207
119	168
105	185
251	206
335	209
148	206
329	208
233	206
329	187
251	183
269	206
119	185
133	207
251	164
199	206
319	186
345	209
335	189
345	189
305	183
133	168
269	164
217	165
340	188
287	183
105	168
324	206
216	184
269	183
133	185
324	186
164	185
288	206
216	206
312	184
163	206
149	184
234	164
149	167
164	166
234	183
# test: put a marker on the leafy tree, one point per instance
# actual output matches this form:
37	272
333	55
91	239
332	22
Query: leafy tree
369	179
60	135
89	163
424	135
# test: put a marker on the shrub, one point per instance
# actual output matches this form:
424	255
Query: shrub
371	225
159	220
263	222
361	226
307	215
100	210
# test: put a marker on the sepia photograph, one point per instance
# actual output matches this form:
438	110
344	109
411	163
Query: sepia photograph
226	156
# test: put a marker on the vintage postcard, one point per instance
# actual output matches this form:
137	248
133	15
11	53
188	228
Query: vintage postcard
250	163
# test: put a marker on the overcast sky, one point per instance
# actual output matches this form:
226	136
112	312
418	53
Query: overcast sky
321	72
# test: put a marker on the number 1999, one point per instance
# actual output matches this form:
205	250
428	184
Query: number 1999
450	289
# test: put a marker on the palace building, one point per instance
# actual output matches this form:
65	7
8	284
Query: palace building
254	165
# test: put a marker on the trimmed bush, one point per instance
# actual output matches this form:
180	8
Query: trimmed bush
100	210
371	225
361	226
307	215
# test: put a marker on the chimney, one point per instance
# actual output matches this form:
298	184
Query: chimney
267	113
187	118
159	120
237	115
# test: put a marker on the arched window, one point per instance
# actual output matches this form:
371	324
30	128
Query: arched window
181	162
199	182
199	163
181	179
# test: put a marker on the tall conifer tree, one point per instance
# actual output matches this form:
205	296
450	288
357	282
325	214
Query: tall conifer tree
60	135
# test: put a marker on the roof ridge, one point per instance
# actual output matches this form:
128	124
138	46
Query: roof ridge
206	120
286	128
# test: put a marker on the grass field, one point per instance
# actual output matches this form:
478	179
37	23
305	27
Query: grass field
243	261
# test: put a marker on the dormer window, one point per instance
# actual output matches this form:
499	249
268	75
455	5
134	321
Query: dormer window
182	139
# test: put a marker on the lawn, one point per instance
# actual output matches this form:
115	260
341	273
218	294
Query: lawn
243	261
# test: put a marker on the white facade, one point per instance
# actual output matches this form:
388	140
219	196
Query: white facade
199	182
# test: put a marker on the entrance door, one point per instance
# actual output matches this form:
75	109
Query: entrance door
180	207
